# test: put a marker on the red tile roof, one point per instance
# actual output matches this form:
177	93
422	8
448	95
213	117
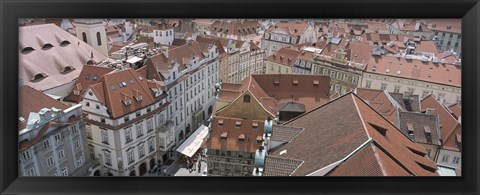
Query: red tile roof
445	74
90	75
448	123
284	56
114	99
232	133
296	28
456	110
356	52
31	100
319	147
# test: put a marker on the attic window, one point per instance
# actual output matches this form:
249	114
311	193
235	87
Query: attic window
47	46
64	43
112	87
39	76
246	98
27	50
223	136
259	139
381	130
220	123
95	77
276	82
87	77
238	124
90	62
295	82
428	168
255	125
428	134
411	135
316	82
241	137
67	69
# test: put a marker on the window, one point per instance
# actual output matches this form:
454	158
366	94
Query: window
130	157
46	144
368	84
396	89
151	146
383	86
456	160
64	171
355	80
76	144
126	118
445	158
102	120
104	137
429	152
337	88
31	172
26	155
141	150
84	36
108	158
61	155
50	161
246	98
411	89
99	39
92	151
149	125
79	161
128	135
87	104
58	138
425	93
74	128
139	128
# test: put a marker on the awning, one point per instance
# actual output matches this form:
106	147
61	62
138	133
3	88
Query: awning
134	60
194	142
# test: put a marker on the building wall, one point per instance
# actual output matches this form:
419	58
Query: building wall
229	163
277	68
91	28
342	80
447	157
62	151
448	41
445	94
434	149
249	111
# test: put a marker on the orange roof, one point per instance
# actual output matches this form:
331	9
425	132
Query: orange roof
284	56
291	27
112	98
90	75
356	52
448	123
456	110
236	28
336	139
445	74
31	100
427	46
443	25
229	129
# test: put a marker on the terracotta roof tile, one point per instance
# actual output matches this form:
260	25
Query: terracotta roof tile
419	121
31	100
279	166
456	110
445	74
285	133
88	76
232	132
447	122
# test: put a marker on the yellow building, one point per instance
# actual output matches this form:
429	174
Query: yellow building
282	61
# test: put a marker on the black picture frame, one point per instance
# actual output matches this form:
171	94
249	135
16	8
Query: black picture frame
11	10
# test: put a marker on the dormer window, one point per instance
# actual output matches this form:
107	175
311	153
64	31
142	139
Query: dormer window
39	76
276	82
64	43
259	139
411	134
379	129
223	136
67	69
316	83
220	123
428	134
255	125
241	137
87	77
47	46
27	50
295	82
238	124
95	77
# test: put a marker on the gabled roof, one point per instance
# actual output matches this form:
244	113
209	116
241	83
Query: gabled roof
279	166
236	28
48	50
274	89
296	28
445	74
284	133
456	110
448	123
114	99
421	124
327	140
381	102
31	100
285	56
356	52
90	75
233	132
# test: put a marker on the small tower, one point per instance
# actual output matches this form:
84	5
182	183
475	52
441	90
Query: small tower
92	32
163	33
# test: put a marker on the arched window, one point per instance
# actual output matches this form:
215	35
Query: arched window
84	36
246	98
99	39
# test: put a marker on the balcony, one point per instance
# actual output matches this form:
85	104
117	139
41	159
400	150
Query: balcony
166	127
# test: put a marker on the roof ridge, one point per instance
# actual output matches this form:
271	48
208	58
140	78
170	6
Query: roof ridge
379	161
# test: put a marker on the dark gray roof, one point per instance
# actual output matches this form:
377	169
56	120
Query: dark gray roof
291	107
411	105
419	121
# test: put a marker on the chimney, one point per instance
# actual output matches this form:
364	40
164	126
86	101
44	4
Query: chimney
164	50
430	111
189	40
